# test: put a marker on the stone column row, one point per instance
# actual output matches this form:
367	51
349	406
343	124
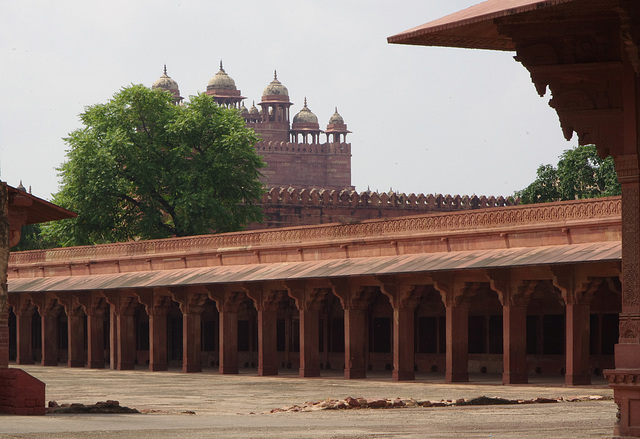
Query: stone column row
354	298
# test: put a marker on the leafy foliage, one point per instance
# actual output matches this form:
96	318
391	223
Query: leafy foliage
581	173
144	168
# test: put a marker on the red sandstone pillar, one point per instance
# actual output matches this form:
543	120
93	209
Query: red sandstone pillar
113	337
514	323
191	342
49	337
156	302
75	331
228	303
95	338
267	343
126	347
191	302
355	334
158	340
403	344
228	342
577	346
309	301
404	299
457	356
123	335
309	346
266	302
24	334
354	300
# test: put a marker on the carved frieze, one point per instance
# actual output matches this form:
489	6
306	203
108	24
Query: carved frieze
608	208
629	328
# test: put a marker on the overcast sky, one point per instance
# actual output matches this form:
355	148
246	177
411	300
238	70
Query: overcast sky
424	119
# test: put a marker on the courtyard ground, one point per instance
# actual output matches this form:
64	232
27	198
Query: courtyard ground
205	405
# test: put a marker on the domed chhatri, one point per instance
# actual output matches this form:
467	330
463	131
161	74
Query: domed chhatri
337	129
167	84
305	115
275	88
222	88
221	81
305	124
336	118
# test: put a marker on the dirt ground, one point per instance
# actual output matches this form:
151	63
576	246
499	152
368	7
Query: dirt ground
206	405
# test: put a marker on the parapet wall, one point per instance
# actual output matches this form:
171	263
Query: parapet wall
304	148
294	207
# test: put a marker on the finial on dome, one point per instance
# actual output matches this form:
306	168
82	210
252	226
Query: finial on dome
336	109
275	75
165	69
221	69
305	101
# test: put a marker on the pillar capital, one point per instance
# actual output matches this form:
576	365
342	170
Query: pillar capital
401	294
190	301
576	288
352	295
264	298
226	299
307	297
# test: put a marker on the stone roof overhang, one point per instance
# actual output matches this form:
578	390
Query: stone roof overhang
36	210
474	27
609	251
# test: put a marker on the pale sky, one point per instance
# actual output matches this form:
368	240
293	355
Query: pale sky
424	119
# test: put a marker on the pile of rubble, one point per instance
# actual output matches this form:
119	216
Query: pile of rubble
109	406
374	403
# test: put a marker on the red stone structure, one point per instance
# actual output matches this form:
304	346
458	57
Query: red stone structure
20	393
285	207
291	149
587	53
486	290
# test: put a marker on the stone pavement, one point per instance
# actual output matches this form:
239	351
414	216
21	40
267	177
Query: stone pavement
237	406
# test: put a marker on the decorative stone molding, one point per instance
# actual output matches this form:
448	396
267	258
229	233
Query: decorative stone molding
629	327
514	216
304	148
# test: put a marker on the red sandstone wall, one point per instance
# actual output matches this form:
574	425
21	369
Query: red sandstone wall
286	207
20	393
326	165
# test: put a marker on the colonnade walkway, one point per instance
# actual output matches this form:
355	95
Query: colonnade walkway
223	405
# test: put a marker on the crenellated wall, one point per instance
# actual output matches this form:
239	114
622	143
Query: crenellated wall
326	165
294	207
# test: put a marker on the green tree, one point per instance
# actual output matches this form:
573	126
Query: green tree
144	168
581	173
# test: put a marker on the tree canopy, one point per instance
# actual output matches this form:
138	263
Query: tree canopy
580	173
144	168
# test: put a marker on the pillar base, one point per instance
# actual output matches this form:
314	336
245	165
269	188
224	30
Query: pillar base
228	370
577	380
191	368
460	377
355	374
515	378
309	373
266	371
125	366
626	392
406	375
157	367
